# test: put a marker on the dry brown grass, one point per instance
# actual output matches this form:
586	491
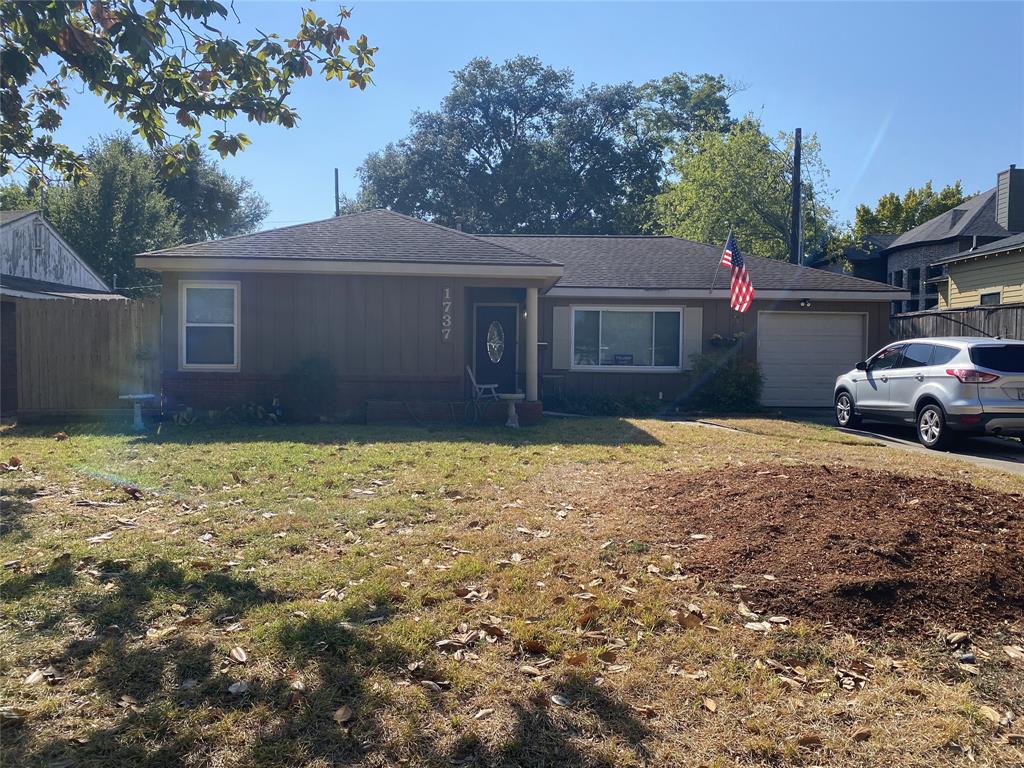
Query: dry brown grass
535	522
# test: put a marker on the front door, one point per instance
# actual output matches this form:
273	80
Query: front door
494	345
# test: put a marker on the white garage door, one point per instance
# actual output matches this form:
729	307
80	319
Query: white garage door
801	353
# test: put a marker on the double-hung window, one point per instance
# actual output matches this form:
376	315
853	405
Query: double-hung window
627	338
208	329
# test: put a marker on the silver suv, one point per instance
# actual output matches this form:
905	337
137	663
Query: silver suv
944	386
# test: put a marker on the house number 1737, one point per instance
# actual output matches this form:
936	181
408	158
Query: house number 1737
446	314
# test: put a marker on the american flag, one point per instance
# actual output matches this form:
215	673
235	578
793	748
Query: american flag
741	291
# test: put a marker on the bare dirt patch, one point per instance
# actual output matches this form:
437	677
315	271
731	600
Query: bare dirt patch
863	549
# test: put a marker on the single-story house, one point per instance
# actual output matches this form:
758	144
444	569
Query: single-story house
986	276
35	265
404	309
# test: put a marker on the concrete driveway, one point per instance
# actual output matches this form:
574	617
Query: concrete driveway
1001	453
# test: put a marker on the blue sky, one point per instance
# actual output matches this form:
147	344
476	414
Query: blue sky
898	93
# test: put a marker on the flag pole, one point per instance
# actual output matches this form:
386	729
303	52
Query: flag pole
715	277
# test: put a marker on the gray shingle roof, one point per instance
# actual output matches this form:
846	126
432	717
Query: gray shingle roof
27	285
377	235
975	216
1013	242
625	261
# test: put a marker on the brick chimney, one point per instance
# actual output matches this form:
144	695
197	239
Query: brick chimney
1010	199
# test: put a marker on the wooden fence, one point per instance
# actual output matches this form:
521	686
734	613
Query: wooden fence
1006	321
79	356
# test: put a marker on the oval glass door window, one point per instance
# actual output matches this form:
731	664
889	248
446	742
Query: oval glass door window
495	341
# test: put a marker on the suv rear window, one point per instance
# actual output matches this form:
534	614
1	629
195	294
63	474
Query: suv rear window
1008	359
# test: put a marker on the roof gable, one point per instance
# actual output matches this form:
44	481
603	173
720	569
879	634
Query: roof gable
368	236
975	216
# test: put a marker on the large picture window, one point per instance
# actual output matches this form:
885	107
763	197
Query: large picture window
627	339
209	325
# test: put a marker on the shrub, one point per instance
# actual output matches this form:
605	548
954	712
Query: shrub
722	382
311	384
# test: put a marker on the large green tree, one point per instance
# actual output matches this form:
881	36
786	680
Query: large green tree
120	211
516	147
124	190
158	65
894	214
743	179
210	204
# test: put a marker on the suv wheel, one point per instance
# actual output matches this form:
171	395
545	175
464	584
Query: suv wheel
932	431
845	415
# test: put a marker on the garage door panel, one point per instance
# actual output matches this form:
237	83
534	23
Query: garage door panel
801	354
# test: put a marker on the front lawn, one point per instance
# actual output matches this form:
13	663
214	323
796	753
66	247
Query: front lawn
316	596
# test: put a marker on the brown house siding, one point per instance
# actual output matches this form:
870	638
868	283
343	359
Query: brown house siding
717	318
382	335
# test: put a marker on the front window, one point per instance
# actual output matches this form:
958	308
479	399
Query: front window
989	299
209	325
627	338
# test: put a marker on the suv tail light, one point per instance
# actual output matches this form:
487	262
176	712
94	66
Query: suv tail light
971	376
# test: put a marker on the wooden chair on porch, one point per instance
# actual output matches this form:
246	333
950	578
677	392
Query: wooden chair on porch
482	391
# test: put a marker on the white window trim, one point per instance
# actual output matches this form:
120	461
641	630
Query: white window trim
183	286
574	366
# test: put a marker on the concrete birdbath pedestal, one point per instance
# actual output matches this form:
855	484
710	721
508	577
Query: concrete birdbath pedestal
137	401
512	398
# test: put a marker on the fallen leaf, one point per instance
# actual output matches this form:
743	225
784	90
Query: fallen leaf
861	734
560	700
710	705
343	714
483	714
535	646
36	677
689	619
608	657
990	713
239	688
809	740
957	638
238	654
746	613
758	626
1015	652
526	669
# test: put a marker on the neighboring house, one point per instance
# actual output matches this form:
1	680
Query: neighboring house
401	307
35	264
862	260
987	276
916	257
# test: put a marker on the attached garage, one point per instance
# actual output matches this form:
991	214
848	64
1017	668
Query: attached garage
801	354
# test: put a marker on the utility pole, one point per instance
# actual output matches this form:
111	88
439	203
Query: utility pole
794	232
337	195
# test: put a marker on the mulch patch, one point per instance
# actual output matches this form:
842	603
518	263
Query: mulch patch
863	549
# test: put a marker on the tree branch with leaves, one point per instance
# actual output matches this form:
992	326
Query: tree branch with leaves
159	67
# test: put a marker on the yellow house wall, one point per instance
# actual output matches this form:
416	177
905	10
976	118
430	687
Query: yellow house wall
1004	273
